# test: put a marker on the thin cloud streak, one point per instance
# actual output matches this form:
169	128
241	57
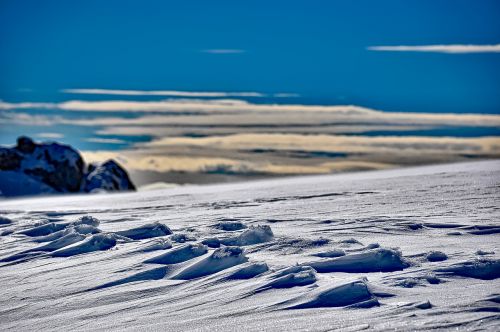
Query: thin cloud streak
223	51
167	93
50	135
451	49
105	140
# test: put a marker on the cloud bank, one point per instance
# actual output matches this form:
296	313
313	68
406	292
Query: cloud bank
240	112
195	138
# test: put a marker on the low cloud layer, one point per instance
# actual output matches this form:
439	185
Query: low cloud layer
239	112
192	139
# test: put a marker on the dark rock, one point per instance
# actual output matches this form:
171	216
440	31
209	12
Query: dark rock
61	168
25	144
109	176
10	159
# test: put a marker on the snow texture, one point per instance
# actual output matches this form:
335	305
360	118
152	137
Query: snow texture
409	249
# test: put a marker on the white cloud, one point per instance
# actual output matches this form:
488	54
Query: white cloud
239	112
223	51
453	48
9	106
50	135
167	93
286	95
336	143
24	119
231	152
105	140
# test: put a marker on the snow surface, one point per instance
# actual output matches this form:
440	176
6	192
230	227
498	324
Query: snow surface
408	249
17	184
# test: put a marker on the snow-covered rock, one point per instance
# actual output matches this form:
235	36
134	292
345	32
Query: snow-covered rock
31	168
109	177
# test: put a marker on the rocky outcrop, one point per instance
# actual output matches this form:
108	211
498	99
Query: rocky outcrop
61	168
108	176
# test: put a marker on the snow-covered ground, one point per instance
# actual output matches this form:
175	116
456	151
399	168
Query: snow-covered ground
408	249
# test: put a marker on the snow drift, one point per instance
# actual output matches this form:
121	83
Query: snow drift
377	260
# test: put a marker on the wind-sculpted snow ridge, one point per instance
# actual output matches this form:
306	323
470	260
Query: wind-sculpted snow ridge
404	250
230	226
331	253
291	277
249	271
179	254
219	260
253	235
377	260
94	243
481	269
146	231
5	221
353	294
84	224
156	244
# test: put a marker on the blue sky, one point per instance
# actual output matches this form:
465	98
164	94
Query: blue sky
209	89
317	49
